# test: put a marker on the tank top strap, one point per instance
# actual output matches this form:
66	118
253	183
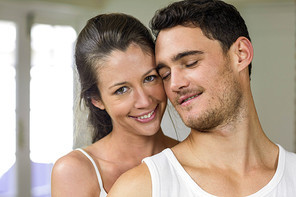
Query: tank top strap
103	192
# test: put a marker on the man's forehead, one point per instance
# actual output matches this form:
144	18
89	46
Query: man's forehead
172	41
179	30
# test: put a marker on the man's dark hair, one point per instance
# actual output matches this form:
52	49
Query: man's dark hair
217	20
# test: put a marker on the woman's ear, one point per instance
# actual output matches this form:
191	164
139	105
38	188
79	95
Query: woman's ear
244	51
98	103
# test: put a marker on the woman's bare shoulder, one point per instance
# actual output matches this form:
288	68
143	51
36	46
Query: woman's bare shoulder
73	174
73	162
133	182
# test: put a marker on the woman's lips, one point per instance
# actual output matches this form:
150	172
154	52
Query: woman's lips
146	117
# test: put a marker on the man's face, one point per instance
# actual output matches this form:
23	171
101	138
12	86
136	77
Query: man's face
198	77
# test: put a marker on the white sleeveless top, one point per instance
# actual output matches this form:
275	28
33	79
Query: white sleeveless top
103	193
169	178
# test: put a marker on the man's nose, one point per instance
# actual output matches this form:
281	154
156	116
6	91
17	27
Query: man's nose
178	80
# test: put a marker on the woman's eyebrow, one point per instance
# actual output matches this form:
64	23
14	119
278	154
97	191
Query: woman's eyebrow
118	84
149	71
125	82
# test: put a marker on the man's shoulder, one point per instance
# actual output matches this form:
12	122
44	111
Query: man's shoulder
133	182
291	161
287	167
290	157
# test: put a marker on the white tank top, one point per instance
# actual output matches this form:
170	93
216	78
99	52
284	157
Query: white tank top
169	178
103	193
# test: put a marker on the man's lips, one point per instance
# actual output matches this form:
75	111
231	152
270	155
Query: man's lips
186	98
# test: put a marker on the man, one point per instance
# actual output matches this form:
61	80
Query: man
204	54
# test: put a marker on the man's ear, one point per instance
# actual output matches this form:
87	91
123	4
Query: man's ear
244	51
98	103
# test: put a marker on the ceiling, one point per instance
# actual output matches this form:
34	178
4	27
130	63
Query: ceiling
80	3
100	3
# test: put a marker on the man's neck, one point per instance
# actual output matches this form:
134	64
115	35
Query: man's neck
240	145
226	161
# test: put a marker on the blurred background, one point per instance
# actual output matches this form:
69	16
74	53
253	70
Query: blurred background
39	118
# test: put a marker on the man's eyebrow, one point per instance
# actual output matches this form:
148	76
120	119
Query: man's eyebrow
178	57
185	53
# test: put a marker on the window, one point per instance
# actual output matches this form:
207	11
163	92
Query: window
36	84
7	106
51	100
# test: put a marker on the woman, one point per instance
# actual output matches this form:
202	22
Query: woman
125	96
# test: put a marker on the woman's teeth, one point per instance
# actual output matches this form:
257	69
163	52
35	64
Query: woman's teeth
146	116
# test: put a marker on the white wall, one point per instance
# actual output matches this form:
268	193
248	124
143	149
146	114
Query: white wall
272	30
142	9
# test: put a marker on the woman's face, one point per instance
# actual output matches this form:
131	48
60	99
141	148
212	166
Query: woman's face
132	92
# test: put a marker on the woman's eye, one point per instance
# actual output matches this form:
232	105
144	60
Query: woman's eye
121	90
150	78
191	64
